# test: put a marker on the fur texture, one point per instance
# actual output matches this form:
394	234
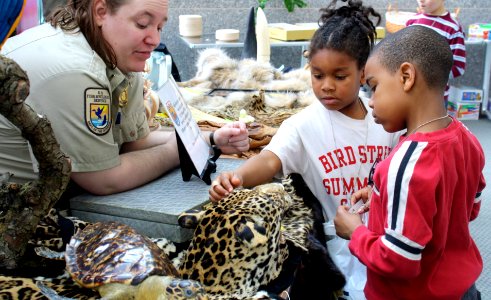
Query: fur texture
217	70
317	277
240	243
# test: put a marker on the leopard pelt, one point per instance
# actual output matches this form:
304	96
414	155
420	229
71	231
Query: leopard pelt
256	107
48	231
246	81
239	243
20	288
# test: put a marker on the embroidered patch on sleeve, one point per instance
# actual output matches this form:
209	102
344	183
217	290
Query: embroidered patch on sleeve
98	110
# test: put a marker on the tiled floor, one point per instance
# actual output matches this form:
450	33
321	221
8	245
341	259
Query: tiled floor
481	226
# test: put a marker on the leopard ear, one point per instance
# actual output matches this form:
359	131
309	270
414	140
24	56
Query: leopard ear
251	234
190	218
270	188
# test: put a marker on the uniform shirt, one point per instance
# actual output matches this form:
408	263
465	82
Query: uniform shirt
417	244
449	28
71	85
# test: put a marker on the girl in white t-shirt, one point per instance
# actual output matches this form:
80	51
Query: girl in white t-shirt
334	142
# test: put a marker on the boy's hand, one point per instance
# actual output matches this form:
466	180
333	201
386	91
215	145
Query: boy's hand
362	195
224	185
346	222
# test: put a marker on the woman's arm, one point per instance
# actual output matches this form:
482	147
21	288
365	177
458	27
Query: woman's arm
136	168
146	159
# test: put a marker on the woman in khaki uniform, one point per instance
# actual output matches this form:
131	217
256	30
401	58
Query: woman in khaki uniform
84	68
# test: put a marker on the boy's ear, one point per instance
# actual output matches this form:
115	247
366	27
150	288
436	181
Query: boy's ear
99	10
407	76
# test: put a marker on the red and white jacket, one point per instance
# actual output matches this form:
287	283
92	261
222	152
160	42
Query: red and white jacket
417	244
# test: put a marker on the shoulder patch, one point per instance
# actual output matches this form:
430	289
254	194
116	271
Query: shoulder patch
98	110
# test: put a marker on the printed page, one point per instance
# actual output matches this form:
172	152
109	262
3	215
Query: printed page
186	127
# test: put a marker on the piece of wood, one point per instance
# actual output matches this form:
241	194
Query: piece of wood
23	205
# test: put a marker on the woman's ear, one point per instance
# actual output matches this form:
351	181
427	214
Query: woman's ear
407	73
99	10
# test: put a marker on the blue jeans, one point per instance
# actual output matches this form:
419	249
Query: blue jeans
472	294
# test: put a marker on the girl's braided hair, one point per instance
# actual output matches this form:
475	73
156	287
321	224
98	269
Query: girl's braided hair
347	29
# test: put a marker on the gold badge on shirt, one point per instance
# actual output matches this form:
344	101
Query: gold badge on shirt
98	110
123	97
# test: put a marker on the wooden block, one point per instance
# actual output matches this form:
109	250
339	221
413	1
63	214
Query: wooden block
290	32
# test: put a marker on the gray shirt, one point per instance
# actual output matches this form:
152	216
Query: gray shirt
71	85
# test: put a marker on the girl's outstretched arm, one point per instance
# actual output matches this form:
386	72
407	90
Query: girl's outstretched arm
256	170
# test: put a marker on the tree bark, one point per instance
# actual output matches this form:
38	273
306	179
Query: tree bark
23	205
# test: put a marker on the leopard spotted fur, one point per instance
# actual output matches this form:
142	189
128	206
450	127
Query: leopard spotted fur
239	243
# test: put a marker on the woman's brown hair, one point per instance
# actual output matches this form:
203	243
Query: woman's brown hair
78	15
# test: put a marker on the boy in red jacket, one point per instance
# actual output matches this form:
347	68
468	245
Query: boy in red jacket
417	244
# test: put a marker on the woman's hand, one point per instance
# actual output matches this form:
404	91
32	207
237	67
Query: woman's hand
232	138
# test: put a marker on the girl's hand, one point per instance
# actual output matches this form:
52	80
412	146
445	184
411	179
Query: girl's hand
223	185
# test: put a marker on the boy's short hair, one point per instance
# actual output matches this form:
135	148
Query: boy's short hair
421	46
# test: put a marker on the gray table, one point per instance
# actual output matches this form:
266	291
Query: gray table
209	41
152	209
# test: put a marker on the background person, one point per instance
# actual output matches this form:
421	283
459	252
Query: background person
434	15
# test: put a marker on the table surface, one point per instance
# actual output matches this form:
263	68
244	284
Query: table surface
161	200
209	40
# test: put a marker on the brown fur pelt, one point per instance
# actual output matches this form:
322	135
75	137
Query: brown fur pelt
217	70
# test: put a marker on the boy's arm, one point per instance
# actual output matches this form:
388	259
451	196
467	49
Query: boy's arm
481	160
403	206
477	201
476	208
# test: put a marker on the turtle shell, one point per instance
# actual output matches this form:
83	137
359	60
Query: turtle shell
112	252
